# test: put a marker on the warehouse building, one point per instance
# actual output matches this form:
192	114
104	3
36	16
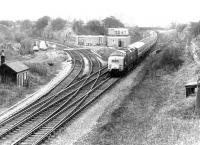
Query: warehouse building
13	72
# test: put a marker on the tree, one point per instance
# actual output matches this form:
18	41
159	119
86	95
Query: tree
195	28
5	33
78	26
58	24
42	23
95	27
19	37
26	46
180	27
7	23
26	25
112	22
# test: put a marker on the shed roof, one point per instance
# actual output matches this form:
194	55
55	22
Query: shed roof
17	66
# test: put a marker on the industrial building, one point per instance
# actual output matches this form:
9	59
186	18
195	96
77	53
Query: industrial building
117	37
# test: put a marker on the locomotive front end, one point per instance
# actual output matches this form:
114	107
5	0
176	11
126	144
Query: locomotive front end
116	65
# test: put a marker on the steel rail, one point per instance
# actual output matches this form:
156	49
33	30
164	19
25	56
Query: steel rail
40	99
68	117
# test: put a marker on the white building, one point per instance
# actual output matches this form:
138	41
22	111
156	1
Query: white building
118	32
118	37
91	40
118	41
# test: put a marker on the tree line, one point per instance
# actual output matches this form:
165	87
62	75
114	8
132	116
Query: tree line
96	27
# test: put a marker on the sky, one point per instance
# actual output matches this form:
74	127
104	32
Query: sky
131	12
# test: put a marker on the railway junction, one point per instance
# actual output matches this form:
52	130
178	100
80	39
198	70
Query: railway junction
78	87
34	119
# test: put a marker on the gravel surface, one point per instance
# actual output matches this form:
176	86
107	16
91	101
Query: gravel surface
108	102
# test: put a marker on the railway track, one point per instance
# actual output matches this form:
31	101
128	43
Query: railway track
44	120
34	123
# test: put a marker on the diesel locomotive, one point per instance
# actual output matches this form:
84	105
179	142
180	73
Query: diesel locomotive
121	60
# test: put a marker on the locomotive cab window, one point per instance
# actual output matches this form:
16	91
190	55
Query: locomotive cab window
115	60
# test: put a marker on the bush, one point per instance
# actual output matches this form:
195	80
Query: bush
9	94
19	37
169	59
26	47
39	68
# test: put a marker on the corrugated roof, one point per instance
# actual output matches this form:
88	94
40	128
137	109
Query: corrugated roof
17	66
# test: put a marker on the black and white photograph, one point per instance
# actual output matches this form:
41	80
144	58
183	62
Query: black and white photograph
100	72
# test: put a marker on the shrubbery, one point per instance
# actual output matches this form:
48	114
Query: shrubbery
26	47
169	59
9	94
39	68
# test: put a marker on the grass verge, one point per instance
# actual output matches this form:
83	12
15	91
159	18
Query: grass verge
156	112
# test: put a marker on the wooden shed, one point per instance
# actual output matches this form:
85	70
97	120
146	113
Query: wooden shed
15	72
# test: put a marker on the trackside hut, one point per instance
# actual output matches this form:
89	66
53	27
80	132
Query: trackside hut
15	72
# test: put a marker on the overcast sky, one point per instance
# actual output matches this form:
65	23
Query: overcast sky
138	12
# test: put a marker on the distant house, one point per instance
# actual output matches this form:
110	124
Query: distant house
15	72
118	37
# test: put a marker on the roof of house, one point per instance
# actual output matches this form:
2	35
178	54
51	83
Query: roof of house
17	66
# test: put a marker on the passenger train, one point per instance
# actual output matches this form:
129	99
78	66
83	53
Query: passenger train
121	60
